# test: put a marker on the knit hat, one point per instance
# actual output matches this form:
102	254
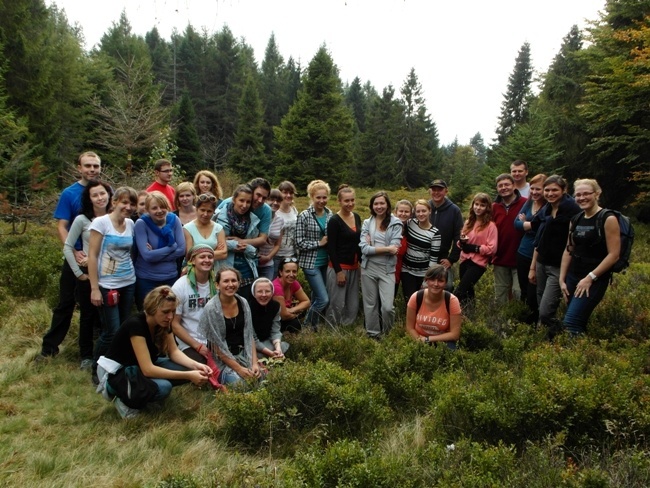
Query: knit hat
198	249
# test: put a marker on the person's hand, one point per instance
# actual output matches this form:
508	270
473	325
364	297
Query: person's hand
221	246
198	377
583	287
393	250
203	350
263	259
83	277
323	242
446	263
565	291
532	276
149	248
81	258
96	298
255	370
522	217
340	278
278	353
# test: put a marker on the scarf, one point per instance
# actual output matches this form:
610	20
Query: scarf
239	224
191	277
165	233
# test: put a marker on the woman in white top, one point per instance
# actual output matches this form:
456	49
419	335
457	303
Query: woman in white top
289	214
203	230
268	250
110	268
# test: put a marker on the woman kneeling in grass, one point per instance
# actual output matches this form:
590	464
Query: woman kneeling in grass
143	362
435	315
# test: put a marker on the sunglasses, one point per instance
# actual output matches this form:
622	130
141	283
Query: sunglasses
204	197
289	260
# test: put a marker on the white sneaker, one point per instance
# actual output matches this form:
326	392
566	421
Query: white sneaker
124	411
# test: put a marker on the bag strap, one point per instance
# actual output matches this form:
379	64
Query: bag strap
420	296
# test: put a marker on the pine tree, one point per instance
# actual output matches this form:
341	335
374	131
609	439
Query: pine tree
315	137
514	108
188	154
355	99
162	59
273	91
480	149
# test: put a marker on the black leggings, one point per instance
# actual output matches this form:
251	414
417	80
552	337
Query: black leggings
528	290
470	273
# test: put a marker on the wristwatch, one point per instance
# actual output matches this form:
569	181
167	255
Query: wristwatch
426	340
593	276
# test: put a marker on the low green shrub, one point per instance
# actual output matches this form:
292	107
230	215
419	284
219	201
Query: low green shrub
309	401
348	347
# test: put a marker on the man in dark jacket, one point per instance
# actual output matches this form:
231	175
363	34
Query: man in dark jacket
447	218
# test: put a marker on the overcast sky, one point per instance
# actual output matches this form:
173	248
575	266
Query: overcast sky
462	50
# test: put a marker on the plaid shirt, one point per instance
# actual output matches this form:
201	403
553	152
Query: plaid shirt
308	234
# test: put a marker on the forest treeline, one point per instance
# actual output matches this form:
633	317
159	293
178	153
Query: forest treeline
203	100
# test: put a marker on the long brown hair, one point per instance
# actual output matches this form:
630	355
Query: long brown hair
152	302
383	225
485	219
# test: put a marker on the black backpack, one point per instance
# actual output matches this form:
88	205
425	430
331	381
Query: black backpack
420	296
626	234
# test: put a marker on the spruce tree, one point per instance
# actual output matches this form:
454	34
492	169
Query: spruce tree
188	154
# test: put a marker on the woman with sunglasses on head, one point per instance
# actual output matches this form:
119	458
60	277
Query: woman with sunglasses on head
228	326
311	241
381	236
343	234
203	230
207	182
145	341
185	201
588	258
95	202
289	294
265	313
159	244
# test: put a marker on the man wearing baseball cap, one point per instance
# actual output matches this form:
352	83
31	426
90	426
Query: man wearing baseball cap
448	219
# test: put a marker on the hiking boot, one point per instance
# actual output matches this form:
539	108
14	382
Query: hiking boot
124	411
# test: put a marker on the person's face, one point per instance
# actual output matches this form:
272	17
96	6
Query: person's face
242	203
289	273
403	212
319	199
205	184
259	197
380	207
479	208
123	207
287	196
347	201
275	204
142	208
422	213
165	173
553	193
505	188
99	197
203	261
536	192
438	194
157	213
518	173
90	168
186	198
585	196
263	293
165	314
436	285
204	213
228	283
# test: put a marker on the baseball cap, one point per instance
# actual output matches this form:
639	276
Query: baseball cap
438	182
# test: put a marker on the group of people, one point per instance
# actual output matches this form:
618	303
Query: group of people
215	280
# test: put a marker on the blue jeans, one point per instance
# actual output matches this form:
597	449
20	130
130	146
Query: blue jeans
317	279
143	286
549	293
579	309
112	317
266	272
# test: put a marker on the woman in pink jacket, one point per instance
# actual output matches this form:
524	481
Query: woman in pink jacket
478	243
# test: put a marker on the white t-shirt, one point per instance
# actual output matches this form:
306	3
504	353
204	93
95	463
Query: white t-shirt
115	264
288	246
274	234
190	308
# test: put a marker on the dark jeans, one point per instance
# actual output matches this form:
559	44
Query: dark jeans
410	284
470	273
143	286
62	313
112	317
528	290
579	309
88	320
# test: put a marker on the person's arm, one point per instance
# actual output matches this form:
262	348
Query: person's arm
454	253
332	246
94	246
62	229
532	272
145	249
434	250
76	230
189	241
564	268
410	322
197	375
182	333
232	363
221	251
453	334
303	302
179	238
303	240
276	337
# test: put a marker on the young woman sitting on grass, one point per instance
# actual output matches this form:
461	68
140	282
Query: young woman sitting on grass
437	318
265	313
145	348
289	294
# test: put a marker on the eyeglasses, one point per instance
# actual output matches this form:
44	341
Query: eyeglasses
585	194
166	170
289	260
204	197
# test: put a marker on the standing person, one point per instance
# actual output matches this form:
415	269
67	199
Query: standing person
524	222
228	326
145	341
437	317
110	268
268	250
289	214
422	249
159	244
140	208
194	290
265	313
202	230
343	235
381	236
288	292
163	173
448	219
505	210
550	243
311	240
591	252
207	182
519	173
404	212
68	207
240	226
95	202
478	243
185	202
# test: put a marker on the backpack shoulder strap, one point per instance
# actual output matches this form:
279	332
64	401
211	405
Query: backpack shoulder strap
447	300
418	300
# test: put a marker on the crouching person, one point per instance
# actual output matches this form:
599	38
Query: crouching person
143	362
